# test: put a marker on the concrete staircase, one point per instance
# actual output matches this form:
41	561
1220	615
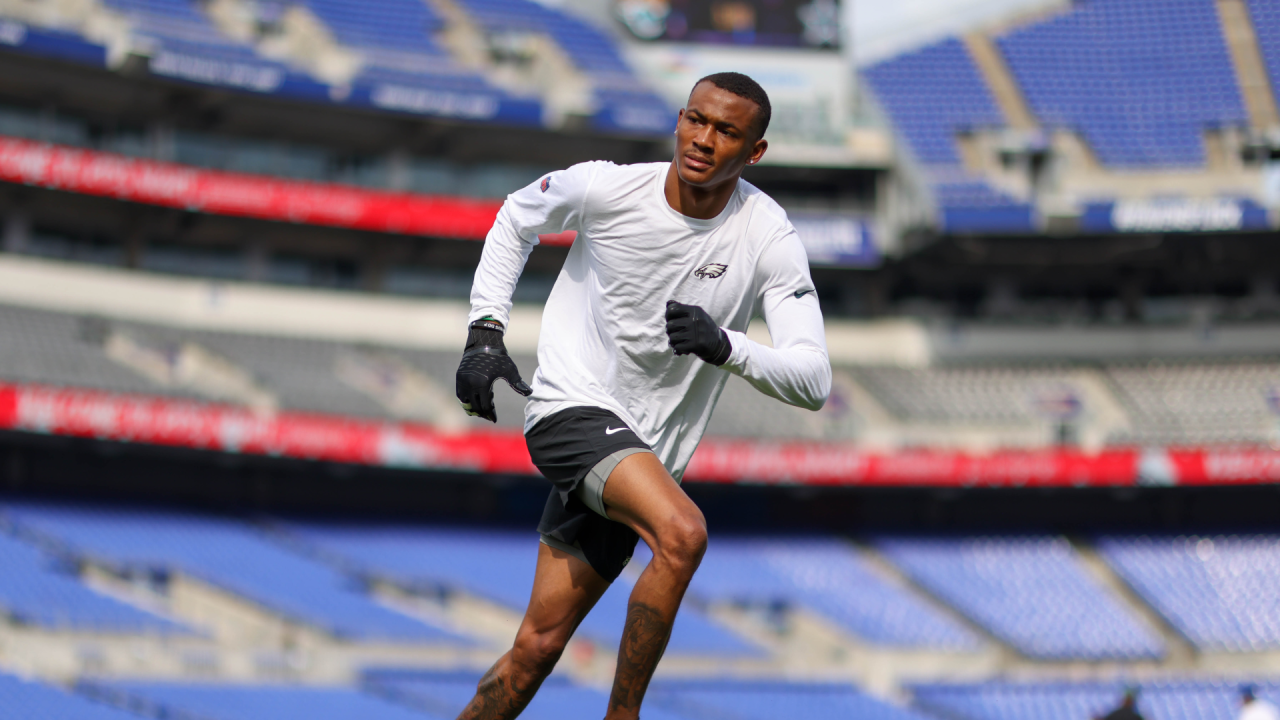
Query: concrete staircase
1000	80
1251	72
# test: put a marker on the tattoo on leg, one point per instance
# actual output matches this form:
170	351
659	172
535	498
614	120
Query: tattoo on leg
499	698
644	639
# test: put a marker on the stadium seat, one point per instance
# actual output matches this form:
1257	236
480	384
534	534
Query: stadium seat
41	347
36	589
1140	80
764	700
252	702
932	95
1030	592
1166	700
1222	592
1195	403
445	694
1266	25
826	577
30	699
448	559
992	395
624	101
229	554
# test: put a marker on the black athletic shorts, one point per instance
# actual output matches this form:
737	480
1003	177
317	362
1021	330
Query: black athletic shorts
576	449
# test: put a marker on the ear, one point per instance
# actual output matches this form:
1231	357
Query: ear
757	151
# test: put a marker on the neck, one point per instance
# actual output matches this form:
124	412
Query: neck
697	202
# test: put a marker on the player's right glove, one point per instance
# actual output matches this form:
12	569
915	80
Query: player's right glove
484	360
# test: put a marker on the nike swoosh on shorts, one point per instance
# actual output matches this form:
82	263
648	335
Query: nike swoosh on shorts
610	431
801	293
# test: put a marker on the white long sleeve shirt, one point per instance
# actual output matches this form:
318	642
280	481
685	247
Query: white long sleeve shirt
603	341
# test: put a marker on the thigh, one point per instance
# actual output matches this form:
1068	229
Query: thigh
642	495
564	591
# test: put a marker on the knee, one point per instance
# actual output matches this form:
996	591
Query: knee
683	541
536	653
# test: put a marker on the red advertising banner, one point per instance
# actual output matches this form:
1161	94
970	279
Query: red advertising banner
182	423
257	196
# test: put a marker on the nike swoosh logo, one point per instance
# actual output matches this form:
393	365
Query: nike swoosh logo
802	293
610	431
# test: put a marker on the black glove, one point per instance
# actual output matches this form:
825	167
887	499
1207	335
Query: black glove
484	360
691	331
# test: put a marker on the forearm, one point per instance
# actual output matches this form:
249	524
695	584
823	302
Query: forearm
501	263
799	374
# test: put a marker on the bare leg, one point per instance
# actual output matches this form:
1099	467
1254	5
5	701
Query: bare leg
564	590
641	494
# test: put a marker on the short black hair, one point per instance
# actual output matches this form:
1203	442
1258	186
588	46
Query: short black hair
744	87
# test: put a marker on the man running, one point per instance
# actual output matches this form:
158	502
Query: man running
639	335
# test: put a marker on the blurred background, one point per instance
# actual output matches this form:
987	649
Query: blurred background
237	241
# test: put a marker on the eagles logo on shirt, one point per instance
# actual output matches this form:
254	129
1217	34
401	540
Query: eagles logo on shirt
546	183
710	271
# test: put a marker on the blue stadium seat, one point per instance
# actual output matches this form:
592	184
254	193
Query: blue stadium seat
497	565
1187	700
1266	25
828	578
35	591
625	103
404	68
445	694
1031	592
406	25
228	554
35	701
252	702
763	700
931	95
1140	80
1221	592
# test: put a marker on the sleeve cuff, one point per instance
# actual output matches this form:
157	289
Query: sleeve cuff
737	362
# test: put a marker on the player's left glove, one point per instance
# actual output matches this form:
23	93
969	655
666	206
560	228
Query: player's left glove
691	331
484	360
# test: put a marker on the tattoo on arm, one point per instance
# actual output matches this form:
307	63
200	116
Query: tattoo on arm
644	639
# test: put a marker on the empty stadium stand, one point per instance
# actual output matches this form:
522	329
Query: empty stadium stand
666	700
393	55
448	559
1166	700
1133	100
403	67
746	700
444	695
1197	403
1173	403
1266	25
60	349
1219	591
932	95
827	578
228	554
38	588
1014	587
623	101
1142	81
250	702
31	699
960	395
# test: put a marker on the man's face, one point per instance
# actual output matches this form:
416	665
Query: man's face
716	136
